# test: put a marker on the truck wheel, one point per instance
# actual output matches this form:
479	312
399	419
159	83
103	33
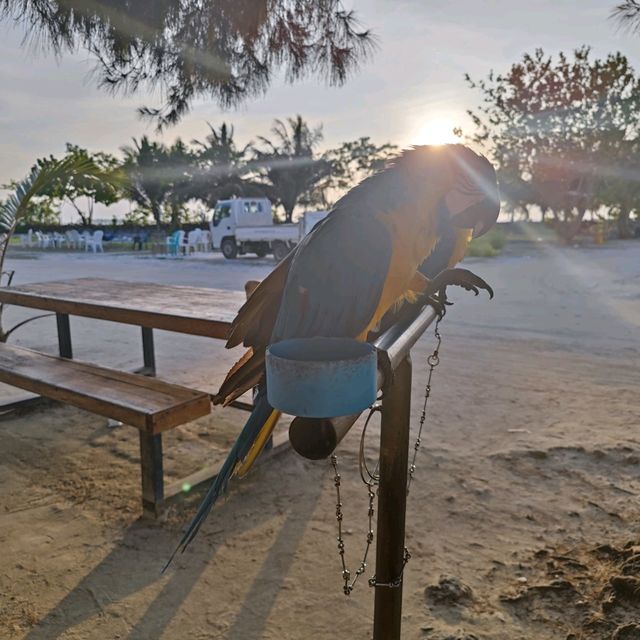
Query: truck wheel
280	250
229	248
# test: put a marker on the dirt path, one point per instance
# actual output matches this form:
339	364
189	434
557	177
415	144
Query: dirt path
523	519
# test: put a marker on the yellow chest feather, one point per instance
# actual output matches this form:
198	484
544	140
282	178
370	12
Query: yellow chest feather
414	237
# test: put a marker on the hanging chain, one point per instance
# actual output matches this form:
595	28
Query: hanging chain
346	574
371	480
433	361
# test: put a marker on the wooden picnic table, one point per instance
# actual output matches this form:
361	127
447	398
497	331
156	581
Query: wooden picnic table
192	310
151	405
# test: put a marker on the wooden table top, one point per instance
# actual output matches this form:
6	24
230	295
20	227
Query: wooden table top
193	310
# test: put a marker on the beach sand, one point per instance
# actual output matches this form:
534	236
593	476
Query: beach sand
523	519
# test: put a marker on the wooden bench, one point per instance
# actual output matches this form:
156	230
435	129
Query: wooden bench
151	405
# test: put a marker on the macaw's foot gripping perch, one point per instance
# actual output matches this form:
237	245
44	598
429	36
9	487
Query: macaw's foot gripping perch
436	290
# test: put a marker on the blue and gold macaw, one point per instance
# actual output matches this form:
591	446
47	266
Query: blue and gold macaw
385	242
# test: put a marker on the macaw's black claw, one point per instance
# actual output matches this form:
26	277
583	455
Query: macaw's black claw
459	278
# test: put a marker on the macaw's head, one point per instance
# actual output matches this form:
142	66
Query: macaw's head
472	200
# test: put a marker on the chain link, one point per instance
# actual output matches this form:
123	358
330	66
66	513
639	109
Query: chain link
433	361
371	480
397	582
348	585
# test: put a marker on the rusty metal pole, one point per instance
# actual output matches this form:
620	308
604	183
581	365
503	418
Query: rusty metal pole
392	503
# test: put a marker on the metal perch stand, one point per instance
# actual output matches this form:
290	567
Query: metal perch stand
317	438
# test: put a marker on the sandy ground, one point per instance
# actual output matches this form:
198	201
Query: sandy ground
523	517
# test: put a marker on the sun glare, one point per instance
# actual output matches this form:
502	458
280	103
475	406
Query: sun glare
437	131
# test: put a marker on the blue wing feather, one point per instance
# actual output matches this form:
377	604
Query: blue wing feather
335	283
239	451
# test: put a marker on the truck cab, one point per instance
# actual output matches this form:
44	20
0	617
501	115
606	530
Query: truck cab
231	215
245	225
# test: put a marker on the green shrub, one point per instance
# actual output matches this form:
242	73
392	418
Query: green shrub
489	245
481	248
497	239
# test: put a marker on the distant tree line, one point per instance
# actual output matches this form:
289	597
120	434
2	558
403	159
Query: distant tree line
168	183
564	134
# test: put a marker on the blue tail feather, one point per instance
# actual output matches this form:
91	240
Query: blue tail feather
240	449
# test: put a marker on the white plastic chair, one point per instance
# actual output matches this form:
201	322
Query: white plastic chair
94	241
193	240
73	238
205	240
42	239
59	240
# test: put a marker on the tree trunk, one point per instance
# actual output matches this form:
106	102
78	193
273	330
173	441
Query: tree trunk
175	216
156	212
568	228
624	230
85	221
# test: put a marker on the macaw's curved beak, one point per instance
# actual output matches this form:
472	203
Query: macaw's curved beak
473	211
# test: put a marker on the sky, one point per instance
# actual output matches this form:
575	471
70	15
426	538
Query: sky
412	90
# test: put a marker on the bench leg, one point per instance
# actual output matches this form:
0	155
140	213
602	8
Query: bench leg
152	477
148	352
64	335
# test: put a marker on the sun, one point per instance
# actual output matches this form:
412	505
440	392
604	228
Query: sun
437	131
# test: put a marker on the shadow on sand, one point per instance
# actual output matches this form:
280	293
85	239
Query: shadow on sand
136	560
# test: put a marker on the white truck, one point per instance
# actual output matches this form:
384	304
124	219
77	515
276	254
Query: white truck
245	225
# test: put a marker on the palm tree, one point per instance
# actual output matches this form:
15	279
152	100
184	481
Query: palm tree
221	167
287	164
160	177
40	180
180	164
148	168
